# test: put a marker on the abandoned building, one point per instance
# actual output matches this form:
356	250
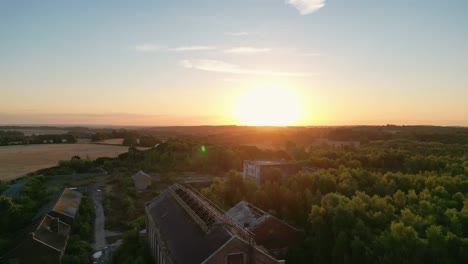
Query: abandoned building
270	232
46	241
256	168
184	227
66	207
141	180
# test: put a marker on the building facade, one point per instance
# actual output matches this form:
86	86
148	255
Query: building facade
183	227
255	168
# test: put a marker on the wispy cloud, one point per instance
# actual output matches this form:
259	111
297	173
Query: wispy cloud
306	7
237	34
153	48
232	80
246	50
221	66
147	47
311	54
193	48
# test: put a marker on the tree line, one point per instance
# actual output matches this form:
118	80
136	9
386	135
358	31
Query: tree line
18	138
358	216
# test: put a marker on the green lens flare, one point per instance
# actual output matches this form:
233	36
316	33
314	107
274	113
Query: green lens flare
203	148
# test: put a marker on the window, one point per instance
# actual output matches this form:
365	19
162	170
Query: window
236	258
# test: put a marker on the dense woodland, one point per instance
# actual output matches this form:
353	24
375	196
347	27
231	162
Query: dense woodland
401	197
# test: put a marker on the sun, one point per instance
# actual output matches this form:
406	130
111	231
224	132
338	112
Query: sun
268	106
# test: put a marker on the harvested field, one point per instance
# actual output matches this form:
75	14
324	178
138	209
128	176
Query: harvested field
114	141
16	161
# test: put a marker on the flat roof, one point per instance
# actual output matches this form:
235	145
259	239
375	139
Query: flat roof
68	203
270	162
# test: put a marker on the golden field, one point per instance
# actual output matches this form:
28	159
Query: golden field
16	161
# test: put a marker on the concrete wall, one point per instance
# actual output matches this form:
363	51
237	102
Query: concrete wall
250	169
155	243
274	234
234	246
141	182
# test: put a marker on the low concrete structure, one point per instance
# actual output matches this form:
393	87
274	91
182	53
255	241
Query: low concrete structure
141	180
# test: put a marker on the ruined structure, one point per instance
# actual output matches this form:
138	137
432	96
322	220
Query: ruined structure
270	232
255	168
48	240
184	227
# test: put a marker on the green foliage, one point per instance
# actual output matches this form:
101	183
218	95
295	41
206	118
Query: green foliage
9	137
84	225
77	165
16	138
79	248
123	198
148	141
77	252
130	140
395	155
132	250
360	216
17	213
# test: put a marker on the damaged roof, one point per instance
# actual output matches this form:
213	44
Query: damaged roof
247	215
52	232
184	238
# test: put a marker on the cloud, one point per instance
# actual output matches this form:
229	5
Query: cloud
232	80
236	34
247	50
224	67
311	54
152	48
147	47
306	7
193	48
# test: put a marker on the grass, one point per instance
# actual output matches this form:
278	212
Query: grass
113	141
19	160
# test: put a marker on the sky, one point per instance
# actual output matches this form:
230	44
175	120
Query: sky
182	62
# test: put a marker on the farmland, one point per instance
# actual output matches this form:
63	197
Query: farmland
16	161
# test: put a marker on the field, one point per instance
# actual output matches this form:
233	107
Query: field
113	141
16	161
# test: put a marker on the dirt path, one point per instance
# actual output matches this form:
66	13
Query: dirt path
99	232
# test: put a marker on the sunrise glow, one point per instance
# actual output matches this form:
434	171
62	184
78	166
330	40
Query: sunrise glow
268	106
